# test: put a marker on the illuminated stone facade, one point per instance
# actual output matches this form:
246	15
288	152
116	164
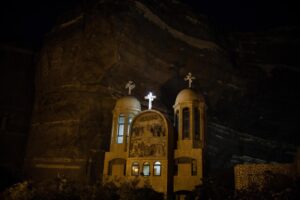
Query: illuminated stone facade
189	112
149	155
149	149
115	160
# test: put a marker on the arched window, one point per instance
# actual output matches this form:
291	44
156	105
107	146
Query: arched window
185	123
157	168
197	124
135	169
146	169
121	126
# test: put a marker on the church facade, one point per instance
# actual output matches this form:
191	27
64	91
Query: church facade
145	146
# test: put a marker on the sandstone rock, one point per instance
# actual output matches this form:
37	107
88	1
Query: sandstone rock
87	60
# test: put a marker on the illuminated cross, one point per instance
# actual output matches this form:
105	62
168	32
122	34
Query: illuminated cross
130	85
150	98
189	78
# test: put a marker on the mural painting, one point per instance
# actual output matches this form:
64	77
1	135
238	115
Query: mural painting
148	136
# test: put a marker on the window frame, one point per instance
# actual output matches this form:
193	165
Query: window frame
133	165
129	121
120	129
146	164
157	164
197	124
185	123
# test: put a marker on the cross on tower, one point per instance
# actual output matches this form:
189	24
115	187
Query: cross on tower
130	86
150	98
189	78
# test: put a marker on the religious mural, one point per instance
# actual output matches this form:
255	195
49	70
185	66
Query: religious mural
148	136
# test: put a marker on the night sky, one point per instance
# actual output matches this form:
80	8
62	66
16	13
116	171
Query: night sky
24	23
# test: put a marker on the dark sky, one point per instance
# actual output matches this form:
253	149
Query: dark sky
26	22
248	15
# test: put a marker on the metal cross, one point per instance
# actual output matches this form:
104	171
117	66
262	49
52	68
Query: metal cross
150	98
130	86
189	78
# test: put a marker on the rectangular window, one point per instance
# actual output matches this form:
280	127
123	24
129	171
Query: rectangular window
197	124
121	126
157	169
128	124
146	169
135	169
185	123
120	133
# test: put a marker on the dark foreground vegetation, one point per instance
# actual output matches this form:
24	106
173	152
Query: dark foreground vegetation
276	186
61	189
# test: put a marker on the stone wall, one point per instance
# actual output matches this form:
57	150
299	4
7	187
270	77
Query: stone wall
247	175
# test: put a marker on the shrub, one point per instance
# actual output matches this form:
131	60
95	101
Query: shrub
56	190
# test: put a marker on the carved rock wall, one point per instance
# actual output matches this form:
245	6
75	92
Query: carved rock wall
88	58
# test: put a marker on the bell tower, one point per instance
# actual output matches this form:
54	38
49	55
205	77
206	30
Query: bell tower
125	109
189	121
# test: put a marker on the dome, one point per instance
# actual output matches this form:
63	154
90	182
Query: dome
128	102
188	95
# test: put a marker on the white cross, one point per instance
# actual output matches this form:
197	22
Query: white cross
150	98
189	78
130	85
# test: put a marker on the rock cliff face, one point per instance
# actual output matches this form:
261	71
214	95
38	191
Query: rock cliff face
88	58
16	83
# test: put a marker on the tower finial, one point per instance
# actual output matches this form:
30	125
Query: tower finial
189	78
130	86
150	98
